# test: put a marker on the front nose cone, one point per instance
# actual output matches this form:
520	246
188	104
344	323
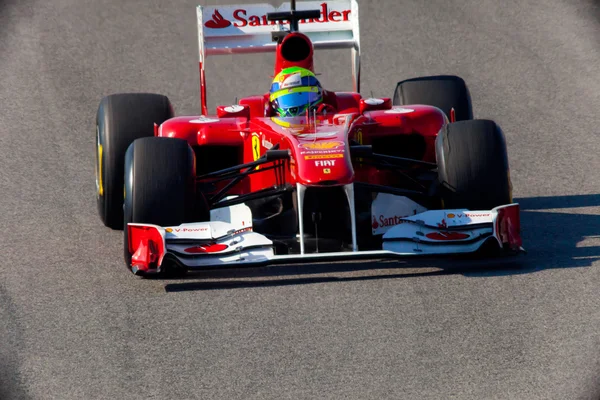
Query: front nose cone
325	168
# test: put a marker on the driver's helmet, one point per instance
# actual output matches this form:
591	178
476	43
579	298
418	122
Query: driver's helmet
294	91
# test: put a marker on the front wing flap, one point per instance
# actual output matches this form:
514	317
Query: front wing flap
455	231
225	244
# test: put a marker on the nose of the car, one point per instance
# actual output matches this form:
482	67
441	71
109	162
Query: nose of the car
324	166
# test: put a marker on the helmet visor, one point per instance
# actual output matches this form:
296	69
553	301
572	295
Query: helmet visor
296	101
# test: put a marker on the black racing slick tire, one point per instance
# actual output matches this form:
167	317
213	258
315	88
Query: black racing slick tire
473	169
159	185
445	92
121	119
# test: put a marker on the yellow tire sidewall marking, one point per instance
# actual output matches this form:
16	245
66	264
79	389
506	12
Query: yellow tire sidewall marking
100	183
99	151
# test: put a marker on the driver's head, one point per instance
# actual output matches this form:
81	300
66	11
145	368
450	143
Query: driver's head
294	91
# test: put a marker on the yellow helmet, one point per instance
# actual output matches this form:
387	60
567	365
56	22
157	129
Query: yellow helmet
294	91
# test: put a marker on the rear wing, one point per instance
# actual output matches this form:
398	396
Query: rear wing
245	29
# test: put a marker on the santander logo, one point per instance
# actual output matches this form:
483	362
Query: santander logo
217	21
242	18
375	224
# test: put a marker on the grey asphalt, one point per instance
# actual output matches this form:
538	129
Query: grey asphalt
75	324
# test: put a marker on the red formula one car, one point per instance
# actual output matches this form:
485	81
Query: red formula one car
301	173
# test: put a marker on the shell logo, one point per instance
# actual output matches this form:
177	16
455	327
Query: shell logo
322	145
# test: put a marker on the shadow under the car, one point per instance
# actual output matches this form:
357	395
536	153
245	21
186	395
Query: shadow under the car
286	276
553	239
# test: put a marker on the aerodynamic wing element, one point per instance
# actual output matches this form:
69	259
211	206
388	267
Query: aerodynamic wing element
243	29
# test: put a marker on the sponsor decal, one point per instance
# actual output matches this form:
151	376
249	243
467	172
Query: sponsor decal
465	218
323	156
256	149
468	215
325	163
217	21
384	221
374	223
321	152
388	211
186	230
292	80
374	102
203	120
443	236
233	109
266	144
210	248
399	110
242	19
326	171
322	145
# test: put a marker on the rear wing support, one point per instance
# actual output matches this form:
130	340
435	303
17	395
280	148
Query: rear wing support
246	29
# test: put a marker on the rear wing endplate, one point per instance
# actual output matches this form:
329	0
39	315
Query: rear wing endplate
243	29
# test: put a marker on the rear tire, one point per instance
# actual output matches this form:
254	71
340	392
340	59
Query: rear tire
121	119
159	184
473	167
444	92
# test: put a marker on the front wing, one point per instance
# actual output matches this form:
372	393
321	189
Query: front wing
228	240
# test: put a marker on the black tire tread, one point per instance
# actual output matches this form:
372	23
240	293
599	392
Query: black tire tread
163	180
160	188
473	165
123	118
442	91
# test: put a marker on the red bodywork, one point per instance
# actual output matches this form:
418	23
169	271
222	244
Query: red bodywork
319	149
147	247
319	146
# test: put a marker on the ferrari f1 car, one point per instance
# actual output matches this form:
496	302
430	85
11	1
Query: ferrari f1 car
257	184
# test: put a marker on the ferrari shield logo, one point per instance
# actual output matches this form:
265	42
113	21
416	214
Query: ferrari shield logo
256	149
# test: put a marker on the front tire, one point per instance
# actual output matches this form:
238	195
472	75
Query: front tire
445	92
473	169
121	119
159	184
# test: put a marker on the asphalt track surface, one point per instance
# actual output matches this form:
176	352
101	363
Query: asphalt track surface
74	324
